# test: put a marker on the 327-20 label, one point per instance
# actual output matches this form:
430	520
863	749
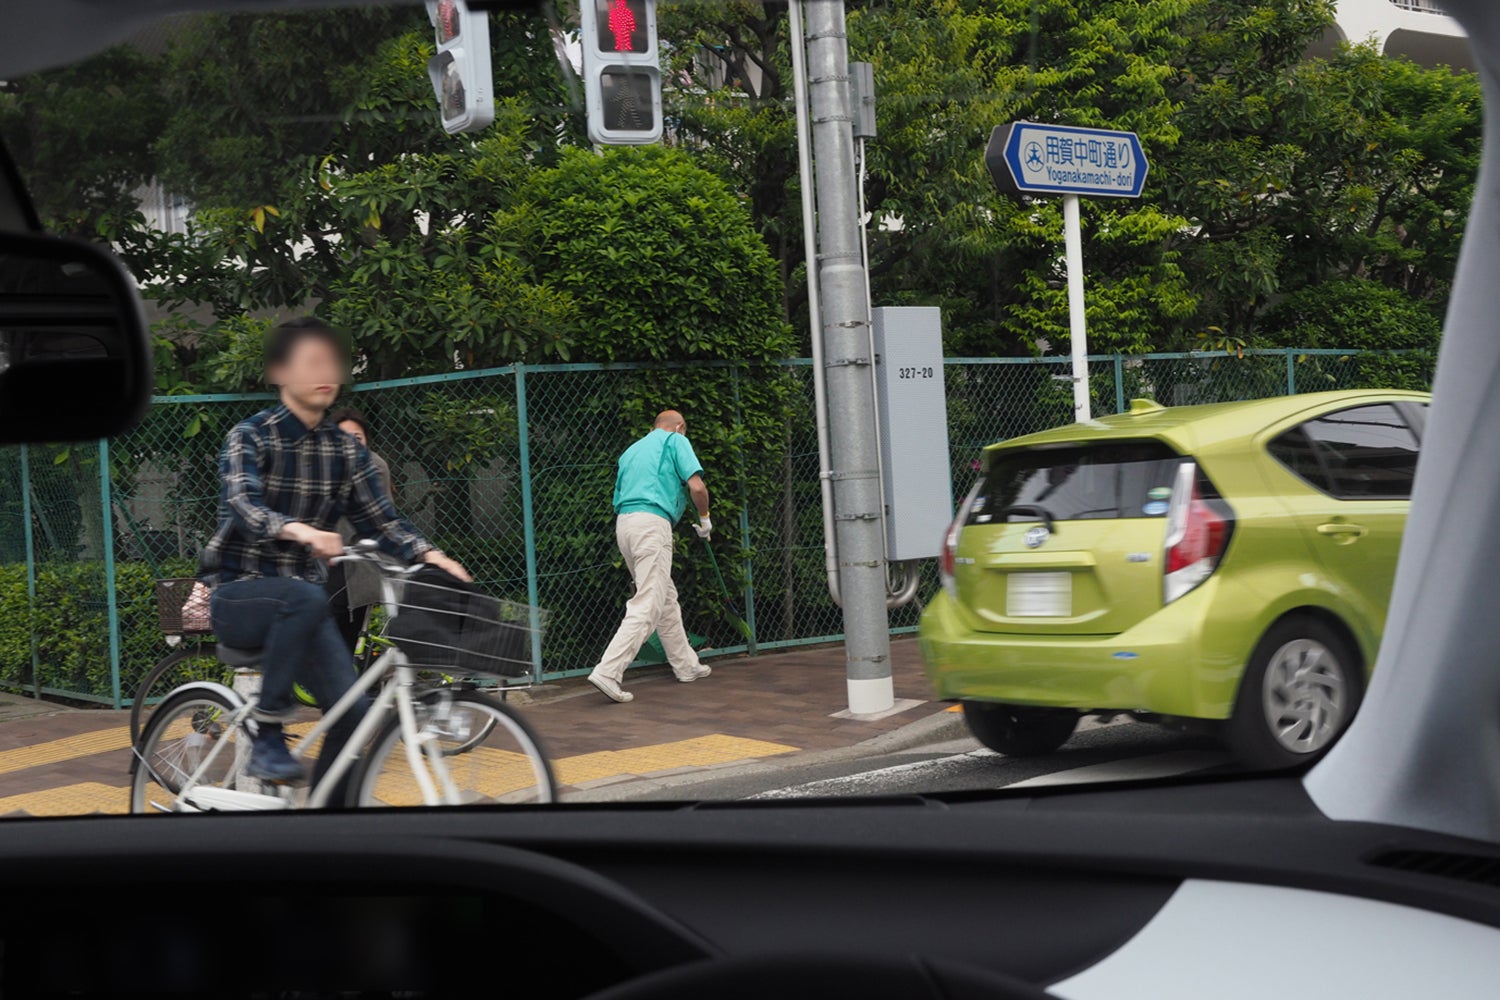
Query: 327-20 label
915	372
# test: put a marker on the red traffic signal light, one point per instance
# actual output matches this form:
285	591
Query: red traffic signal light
448	22
623	26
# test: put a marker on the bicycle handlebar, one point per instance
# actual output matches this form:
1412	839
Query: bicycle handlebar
366	550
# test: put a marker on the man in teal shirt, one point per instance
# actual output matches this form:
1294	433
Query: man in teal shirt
656	476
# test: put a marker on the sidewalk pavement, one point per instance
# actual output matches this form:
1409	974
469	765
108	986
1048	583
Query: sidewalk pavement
69	761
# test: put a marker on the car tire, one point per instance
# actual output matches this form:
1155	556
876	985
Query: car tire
1298	695
1019	730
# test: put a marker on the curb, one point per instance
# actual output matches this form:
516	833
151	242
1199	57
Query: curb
933	728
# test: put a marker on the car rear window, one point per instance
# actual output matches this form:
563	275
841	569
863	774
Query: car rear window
1077	483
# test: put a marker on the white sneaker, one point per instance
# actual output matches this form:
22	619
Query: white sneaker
609	688
703	671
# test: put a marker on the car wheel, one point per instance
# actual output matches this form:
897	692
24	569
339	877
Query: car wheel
1297	697
1019	730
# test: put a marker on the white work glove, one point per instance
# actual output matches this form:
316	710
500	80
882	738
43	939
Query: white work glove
704	527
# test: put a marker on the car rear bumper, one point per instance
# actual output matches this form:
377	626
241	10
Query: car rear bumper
1162	665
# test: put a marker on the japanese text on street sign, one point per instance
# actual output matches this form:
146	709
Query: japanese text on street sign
1026	158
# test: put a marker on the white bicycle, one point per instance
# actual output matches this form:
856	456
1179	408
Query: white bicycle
427	739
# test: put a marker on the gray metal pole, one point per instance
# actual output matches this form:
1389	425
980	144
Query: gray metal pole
855	464
814	312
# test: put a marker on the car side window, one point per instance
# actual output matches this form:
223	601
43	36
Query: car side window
1295	451
1363	453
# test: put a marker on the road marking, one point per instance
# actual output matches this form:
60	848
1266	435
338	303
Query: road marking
1157	765
503	771
1160	765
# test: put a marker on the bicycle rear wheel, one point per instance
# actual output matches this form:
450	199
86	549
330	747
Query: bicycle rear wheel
195	660
178	737
488	754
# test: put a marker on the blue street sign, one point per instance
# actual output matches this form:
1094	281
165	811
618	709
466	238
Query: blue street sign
1026	158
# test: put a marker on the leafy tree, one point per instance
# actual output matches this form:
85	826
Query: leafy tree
82	137
656	254
255	96
1296	172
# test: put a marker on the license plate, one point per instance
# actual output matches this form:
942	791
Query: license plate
1039	595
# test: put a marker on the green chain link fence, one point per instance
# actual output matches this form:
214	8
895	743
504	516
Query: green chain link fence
511	470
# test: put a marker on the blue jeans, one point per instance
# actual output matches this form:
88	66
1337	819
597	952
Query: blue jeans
289	620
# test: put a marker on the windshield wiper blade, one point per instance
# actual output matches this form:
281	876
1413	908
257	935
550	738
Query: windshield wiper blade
1033	509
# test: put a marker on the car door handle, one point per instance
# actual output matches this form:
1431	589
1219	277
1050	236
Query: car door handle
1342	531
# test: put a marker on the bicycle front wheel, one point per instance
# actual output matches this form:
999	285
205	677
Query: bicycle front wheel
472	749
179	737
195	660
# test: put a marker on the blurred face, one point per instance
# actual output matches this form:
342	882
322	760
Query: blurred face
311	375
350	427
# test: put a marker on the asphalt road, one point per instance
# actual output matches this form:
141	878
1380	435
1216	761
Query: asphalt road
1117	751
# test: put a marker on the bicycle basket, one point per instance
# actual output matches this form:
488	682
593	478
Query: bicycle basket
441	622
182	606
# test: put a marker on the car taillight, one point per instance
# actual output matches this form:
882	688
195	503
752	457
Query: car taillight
948	556
1197	535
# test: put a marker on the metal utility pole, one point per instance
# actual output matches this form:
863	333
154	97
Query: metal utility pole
854	468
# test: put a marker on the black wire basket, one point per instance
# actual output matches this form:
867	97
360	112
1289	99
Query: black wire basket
459	629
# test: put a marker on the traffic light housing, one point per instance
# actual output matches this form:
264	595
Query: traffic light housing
460	71
621	71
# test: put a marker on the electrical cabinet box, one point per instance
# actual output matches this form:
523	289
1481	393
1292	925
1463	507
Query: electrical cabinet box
913	411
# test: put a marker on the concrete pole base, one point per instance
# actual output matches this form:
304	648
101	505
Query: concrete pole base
874	694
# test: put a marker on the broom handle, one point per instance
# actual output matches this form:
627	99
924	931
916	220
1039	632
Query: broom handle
714	562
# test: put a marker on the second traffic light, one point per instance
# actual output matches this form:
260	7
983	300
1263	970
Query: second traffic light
460	71
621	71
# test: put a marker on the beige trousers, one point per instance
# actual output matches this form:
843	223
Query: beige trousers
645	541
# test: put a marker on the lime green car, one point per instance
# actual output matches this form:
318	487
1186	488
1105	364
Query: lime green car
1230	562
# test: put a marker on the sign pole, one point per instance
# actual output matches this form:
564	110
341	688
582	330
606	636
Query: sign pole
1077	327
1026	159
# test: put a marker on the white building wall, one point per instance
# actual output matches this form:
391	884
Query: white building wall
1417	29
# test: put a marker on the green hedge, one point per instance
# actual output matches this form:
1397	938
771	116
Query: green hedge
70	619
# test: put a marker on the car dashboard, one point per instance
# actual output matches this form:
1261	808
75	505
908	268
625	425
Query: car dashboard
1063	893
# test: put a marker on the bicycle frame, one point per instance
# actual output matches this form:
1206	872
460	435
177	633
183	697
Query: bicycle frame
397	697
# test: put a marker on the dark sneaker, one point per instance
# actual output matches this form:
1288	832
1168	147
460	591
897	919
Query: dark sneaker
269	758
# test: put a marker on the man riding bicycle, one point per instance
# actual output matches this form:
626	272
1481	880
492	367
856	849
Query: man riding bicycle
289	474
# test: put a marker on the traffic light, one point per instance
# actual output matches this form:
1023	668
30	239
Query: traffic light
621	71
460	71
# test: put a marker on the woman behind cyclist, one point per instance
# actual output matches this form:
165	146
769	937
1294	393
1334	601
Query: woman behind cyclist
289	475
354	587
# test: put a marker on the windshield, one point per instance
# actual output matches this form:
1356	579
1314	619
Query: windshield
729	401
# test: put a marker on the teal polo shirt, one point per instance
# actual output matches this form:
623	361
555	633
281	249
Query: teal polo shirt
652	474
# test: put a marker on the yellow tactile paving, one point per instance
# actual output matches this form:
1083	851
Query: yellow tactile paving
67	748
485	771
70	800
698	752
494	773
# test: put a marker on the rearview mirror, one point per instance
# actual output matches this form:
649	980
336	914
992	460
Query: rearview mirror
75	357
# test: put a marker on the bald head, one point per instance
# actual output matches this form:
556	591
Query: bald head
671	421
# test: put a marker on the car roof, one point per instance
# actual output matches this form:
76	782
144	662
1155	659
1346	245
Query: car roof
1193	428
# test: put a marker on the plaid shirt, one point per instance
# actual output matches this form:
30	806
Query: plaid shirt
275	471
